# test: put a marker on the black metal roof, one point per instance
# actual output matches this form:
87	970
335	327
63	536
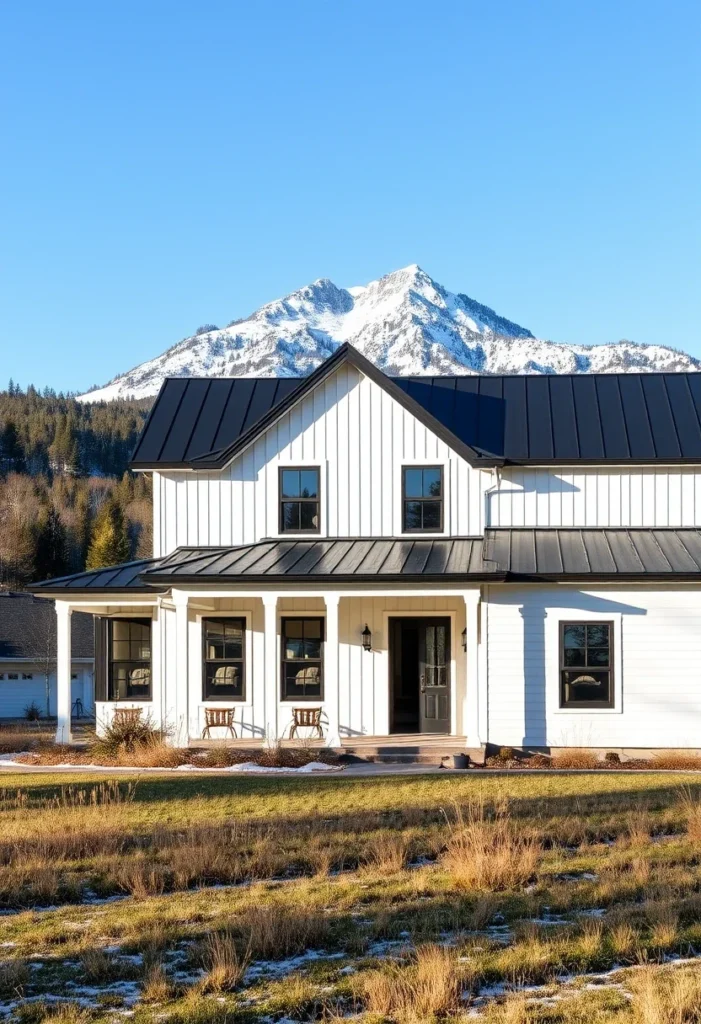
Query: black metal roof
609	554
116	577
490	420
307	560
28	628
503	555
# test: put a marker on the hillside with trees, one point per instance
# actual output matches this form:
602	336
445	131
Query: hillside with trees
67	499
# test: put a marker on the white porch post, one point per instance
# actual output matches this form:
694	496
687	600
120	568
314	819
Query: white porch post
63	672
331	695
471	708
179	704
271	669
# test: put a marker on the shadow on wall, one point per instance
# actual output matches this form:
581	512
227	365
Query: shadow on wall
535	667
531	482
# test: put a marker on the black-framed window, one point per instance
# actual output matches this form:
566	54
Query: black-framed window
224	658
129	659
299	499
422	499
302	672
586	665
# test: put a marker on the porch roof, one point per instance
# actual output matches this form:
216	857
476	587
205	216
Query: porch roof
332	559
502	555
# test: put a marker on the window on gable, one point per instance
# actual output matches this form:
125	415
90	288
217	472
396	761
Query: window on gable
422	499
223	669
302	659
299	500
586	665
130	659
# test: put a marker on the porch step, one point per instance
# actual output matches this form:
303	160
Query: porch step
395	750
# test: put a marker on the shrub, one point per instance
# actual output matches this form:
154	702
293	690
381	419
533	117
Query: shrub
611	757
676	760
205	329
32	712
575	758
506	754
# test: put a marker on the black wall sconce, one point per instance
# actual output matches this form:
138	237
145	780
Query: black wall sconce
464	639
367	638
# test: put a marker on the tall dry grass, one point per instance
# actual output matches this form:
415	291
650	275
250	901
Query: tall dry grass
224	962
666	997
427	987
489	853
575	757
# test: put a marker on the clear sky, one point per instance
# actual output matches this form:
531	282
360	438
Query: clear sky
167	164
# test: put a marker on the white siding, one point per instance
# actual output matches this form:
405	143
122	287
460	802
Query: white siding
659	703
358	436
363	676
597	497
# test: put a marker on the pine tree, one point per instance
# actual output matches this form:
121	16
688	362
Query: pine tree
51	553
11	451
110	541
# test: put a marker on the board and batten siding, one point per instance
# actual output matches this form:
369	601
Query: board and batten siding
358	435
596	497
657	633
363	676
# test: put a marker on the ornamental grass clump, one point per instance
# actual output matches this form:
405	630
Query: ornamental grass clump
426	988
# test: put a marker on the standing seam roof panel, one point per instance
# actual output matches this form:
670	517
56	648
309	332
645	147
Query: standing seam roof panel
565	440
205	431
613	426
591	442
155	433
675	552
185	420
684	412
662	424
598	552
624	552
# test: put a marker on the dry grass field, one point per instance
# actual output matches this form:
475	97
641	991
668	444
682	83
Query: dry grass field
391	900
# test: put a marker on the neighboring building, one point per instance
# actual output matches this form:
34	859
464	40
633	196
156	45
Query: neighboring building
503	560
28	656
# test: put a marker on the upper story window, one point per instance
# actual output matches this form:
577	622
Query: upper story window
129	659
422	499
223	659
586	665
299	500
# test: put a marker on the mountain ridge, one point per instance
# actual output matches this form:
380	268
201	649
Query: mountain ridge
406	323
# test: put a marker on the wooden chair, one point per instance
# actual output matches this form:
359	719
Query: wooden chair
218	718
306	718
126	716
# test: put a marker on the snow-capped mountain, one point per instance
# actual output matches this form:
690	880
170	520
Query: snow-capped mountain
406	323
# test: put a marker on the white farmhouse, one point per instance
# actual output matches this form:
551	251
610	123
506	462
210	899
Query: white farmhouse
496	560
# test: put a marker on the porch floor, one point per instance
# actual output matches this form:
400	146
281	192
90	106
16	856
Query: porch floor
427	748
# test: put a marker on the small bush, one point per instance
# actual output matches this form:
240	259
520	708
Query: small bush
120	736
506	754
32	712
14	975
575	758
674	760
611	757
223	961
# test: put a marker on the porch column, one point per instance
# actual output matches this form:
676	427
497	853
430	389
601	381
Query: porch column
63	672
471	708
331	695
177	704
271	669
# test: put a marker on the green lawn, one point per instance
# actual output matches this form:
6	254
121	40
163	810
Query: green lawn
390	899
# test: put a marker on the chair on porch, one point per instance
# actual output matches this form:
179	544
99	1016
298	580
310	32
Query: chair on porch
126	716
306	718
218	718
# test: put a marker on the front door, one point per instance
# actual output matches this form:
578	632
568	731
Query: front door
434	675
420	675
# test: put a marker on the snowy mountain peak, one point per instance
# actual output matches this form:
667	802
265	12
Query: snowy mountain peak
404	322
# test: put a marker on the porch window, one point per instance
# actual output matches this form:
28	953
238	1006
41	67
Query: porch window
129	659
586	664
422	499
302	659
299	500
223	655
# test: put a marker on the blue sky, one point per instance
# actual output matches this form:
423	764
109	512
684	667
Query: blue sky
168	164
